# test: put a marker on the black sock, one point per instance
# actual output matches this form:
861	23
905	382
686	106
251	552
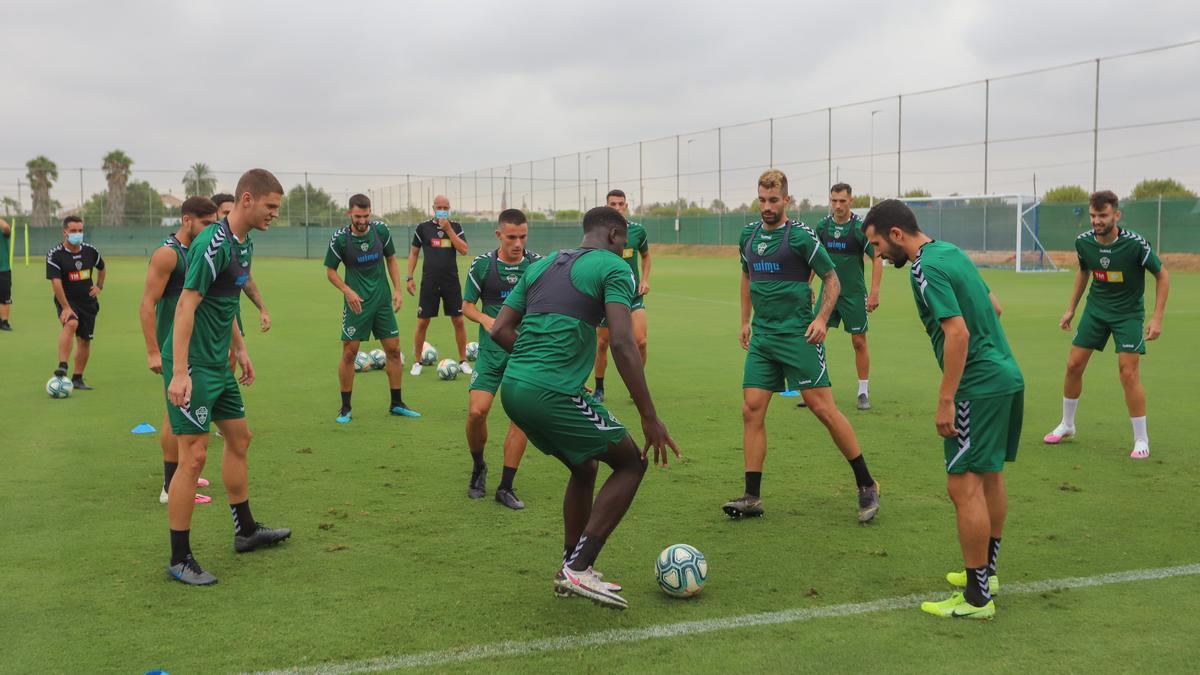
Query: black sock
397	399
346	400
861	475
977	592
599	382
753	482
993	553
168	474
243	522
62	365
567	551
585	553
77	377
180	546
477	460
506	478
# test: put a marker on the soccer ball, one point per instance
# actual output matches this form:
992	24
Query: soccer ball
378	359
447	369
681	570
59	387
429	355
362	362
472	351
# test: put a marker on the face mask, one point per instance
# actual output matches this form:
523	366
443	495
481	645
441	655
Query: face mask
441	214
75	238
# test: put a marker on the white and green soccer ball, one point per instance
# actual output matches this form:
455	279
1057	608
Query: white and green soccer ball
447	369
362	362
378	359
472	351
429	355
59	387
681	570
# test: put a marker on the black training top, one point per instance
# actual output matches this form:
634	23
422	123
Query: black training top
75	269
440	256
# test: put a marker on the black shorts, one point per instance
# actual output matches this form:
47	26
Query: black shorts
446	290
85	312
6	287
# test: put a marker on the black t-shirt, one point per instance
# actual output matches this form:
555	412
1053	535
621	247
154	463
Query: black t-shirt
440	255
74	269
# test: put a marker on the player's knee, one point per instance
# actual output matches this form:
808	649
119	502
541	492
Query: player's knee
196	460
477	414
859	342
392	353
1129	374
348	357
753	412
640	341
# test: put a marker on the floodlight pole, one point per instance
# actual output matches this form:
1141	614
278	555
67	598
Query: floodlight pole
1096	128
771	144
579	181
720	191
987	99
641	180
829	146
871	196
899	130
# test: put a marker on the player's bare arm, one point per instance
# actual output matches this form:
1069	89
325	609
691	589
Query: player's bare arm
251	291
1162	286
5	228
1081	280
954	361
831	288
456	240
99	285
745	304
629	364
504	329
995	303
644	285
59	295
471	311
159	272
354	300
393	269
238	344
412	266
876	278
179	392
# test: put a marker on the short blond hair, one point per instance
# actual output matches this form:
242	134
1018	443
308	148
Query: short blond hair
773	178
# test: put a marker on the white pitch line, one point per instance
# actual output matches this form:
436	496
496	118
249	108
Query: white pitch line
521	648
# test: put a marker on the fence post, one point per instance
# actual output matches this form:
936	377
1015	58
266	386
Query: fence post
641	180
1158	239
1096	127
987	98
720	193
305	214
899	130
829	146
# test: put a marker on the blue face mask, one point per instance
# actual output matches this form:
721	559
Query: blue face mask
441	214
75	238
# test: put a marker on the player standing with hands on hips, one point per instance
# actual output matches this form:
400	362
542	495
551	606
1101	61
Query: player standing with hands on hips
443	240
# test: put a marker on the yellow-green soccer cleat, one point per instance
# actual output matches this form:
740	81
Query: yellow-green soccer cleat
959	580
957	607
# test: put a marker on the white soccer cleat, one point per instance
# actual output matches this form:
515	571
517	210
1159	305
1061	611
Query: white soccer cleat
1060	433
465	368
162	497
1141	450
588	585
416	370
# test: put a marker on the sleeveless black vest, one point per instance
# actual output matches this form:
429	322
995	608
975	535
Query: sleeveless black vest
553	292
847	244
781	265
495	287
354	256
230	280
175	282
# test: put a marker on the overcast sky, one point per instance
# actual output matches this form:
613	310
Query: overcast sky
440	88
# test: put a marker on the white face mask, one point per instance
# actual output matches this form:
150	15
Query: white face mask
75	238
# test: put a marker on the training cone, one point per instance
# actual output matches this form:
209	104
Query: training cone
143	428
788	392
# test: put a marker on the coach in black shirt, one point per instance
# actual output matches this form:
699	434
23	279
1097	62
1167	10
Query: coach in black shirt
76	274
442	241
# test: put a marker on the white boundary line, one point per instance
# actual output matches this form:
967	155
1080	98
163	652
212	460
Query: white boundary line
515	648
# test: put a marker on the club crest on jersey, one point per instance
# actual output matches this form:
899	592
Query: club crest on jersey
761	248
626	253
364	246
512	278
350	331
202	415
78	264
1104	262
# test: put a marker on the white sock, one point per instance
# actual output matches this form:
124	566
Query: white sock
862	387
1139	429
1069	406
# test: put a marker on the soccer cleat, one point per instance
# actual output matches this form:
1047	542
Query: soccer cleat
162	497
959	580
1141	450
80	385
561	590
801	404
598	395
509	499
957	607
202	482
189	572
416	370
261	536
203	499
200	499
864	402
4	325
343	416
588	584
60	372
1060	433
746	506
477	488
402	410
465	368
868	502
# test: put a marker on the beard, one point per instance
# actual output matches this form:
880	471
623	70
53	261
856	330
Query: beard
1105	230
771	217
895	255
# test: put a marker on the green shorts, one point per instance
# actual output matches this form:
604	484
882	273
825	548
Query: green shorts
850	312
638	304
379	321
1092	333
489	370
215	397
778	362
573	428
989	431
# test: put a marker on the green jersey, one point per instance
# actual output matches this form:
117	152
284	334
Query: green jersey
4	249
1118	273
637	245
946	284
217	268
492	280
556	342
164	311
846	245
779	290
364	258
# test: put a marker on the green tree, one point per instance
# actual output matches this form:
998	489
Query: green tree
1065	194
1168	188
11	206
199	181
116	172
569	215
41	175
717	206
143	207
916	193
323	209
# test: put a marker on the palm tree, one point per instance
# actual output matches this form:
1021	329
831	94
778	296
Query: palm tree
199	181
116	171
42	174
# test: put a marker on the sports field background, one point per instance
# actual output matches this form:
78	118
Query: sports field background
388	556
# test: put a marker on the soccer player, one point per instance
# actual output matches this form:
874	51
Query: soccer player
365	247
785	342
548	324
637	245
6	231
76	273
164	281
491	278
224	202
201	389
980	400
1116	259
443	240
841	235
